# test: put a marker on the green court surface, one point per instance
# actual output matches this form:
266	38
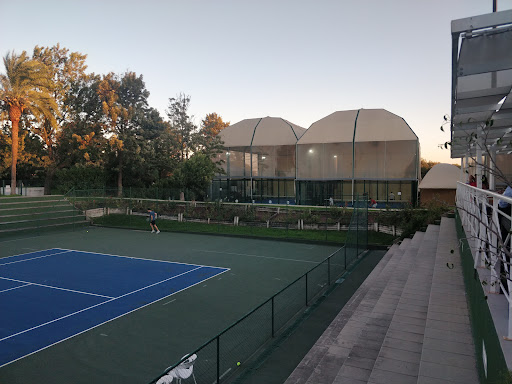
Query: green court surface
135	348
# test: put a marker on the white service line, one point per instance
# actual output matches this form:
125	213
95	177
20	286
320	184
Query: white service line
19	286
142	259
33	258
247	254
60	289
96	305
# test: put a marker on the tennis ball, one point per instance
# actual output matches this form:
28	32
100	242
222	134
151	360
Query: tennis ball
238	364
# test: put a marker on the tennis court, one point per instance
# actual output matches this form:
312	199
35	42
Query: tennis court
129	303
67	292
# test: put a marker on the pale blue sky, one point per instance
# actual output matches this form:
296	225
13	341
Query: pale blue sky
299	60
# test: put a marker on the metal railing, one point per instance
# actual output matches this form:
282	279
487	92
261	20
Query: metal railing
487	229
220	357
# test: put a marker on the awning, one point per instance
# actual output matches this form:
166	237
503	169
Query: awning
482	84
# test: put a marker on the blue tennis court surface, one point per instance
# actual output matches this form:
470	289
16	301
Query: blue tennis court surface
49	296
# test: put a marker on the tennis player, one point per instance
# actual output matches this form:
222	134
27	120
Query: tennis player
152	221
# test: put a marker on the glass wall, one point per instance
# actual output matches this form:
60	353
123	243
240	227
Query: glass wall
388	194
402	159
370	160
324	161
265	161
386	171
265	191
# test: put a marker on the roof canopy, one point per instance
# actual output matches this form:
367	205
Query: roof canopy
482	83
261	132
359	126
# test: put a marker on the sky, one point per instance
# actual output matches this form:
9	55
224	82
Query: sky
294	59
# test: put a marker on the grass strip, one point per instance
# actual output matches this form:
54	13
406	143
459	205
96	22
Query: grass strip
139	222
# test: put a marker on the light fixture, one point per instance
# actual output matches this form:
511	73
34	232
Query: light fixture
310	151
335	156
263	157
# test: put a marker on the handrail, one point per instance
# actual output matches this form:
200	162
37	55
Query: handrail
489	239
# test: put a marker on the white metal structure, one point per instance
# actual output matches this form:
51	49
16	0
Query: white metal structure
481	83
482	221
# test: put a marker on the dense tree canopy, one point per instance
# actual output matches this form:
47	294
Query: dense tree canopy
92	131
26	87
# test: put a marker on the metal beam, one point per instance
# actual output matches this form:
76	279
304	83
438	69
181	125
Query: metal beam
488	20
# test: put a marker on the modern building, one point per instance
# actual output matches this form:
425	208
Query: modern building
440	183
348	153
259	162
365	151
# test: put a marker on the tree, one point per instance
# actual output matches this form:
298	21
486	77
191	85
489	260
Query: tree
124	102
65	69
426	165
25	88
181	124
81	139
196	174
212	125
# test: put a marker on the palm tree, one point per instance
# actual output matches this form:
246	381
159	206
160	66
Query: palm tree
25	88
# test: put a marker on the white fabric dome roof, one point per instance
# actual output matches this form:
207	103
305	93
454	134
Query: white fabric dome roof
441	176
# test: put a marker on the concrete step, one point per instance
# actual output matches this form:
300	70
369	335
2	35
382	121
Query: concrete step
27	216
45	206
323	361
40	222
399	356
448	352
21	200
361	359
407	323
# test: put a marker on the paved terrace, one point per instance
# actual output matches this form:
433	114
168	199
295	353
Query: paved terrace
407	323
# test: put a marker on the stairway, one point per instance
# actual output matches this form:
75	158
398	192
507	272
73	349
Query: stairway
25	215
407	323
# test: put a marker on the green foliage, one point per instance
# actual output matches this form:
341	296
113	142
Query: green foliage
426	165
25	88
410	219
79	177
196	174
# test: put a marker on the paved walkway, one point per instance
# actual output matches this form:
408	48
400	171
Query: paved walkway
407	323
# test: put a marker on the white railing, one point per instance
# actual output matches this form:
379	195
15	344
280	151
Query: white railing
483	223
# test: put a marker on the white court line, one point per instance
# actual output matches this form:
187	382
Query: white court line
264	257
97	325
20	286
96	305
58	288
32	258
138	258
41	250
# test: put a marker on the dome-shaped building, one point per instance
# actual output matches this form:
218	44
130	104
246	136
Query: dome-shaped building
349	153
440	183
259	161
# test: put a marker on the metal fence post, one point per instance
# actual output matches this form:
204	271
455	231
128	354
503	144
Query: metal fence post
218	359
306	289
273	314
356	211
329	271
